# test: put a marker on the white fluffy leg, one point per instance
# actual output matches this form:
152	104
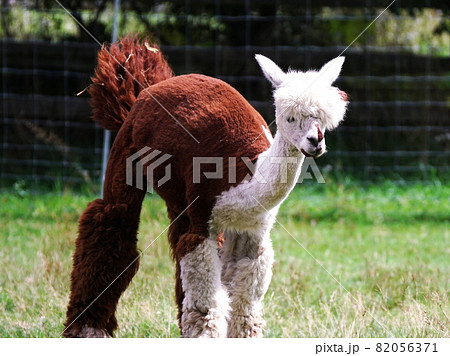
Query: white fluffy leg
206	303
246	273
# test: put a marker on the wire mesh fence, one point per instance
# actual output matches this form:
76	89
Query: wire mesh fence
397	75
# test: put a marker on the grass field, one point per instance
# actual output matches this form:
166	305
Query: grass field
388	245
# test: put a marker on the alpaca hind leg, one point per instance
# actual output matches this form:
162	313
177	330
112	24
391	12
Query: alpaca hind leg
104	262
205	304
247	271
106	257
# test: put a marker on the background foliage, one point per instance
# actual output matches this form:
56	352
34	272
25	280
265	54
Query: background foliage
396	73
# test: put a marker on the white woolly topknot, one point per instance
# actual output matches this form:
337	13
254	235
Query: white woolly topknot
300	94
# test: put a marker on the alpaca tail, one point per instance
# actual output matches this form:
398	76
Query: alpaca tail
123	71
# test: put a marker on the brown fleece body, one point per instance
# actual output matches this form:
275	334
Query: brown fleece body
216	115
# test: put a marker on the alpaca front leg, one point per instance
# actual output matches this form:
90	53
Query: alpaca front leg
247	271
205	304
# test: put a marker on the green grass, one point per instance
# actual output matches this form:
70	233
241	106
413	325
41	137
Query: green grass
388	245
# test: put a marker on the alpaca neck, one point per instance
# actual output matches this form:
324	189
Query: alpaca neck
277	172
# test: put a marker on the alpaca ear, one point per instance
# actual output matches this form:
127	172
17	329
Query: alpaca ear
272	72
331	70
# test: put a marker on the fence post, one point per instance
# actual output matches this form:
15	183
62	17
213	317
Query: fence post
107	133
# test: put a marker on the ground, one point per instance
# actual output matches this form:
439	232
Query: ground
387	244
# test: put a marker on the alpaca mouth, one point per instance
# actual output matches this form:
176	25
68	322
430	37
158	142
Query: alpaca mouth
313	155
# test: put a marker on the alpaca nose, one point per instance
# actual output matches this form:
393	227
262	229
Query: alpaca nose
313	141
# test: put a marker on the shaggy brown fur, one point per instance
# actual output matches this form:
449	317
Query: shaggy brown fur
224	124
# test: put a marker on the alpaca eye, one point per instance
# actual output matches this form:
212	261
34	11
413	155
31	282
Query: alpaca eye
290	119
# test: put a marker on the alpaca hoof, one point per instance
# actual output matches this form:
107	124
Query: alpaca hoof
246	327
200	325
87	332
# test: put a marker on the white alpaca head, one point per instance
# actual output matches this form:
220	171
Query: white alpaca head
306	103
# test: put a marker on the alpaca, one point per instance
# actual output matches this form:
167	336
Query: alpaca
220	228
